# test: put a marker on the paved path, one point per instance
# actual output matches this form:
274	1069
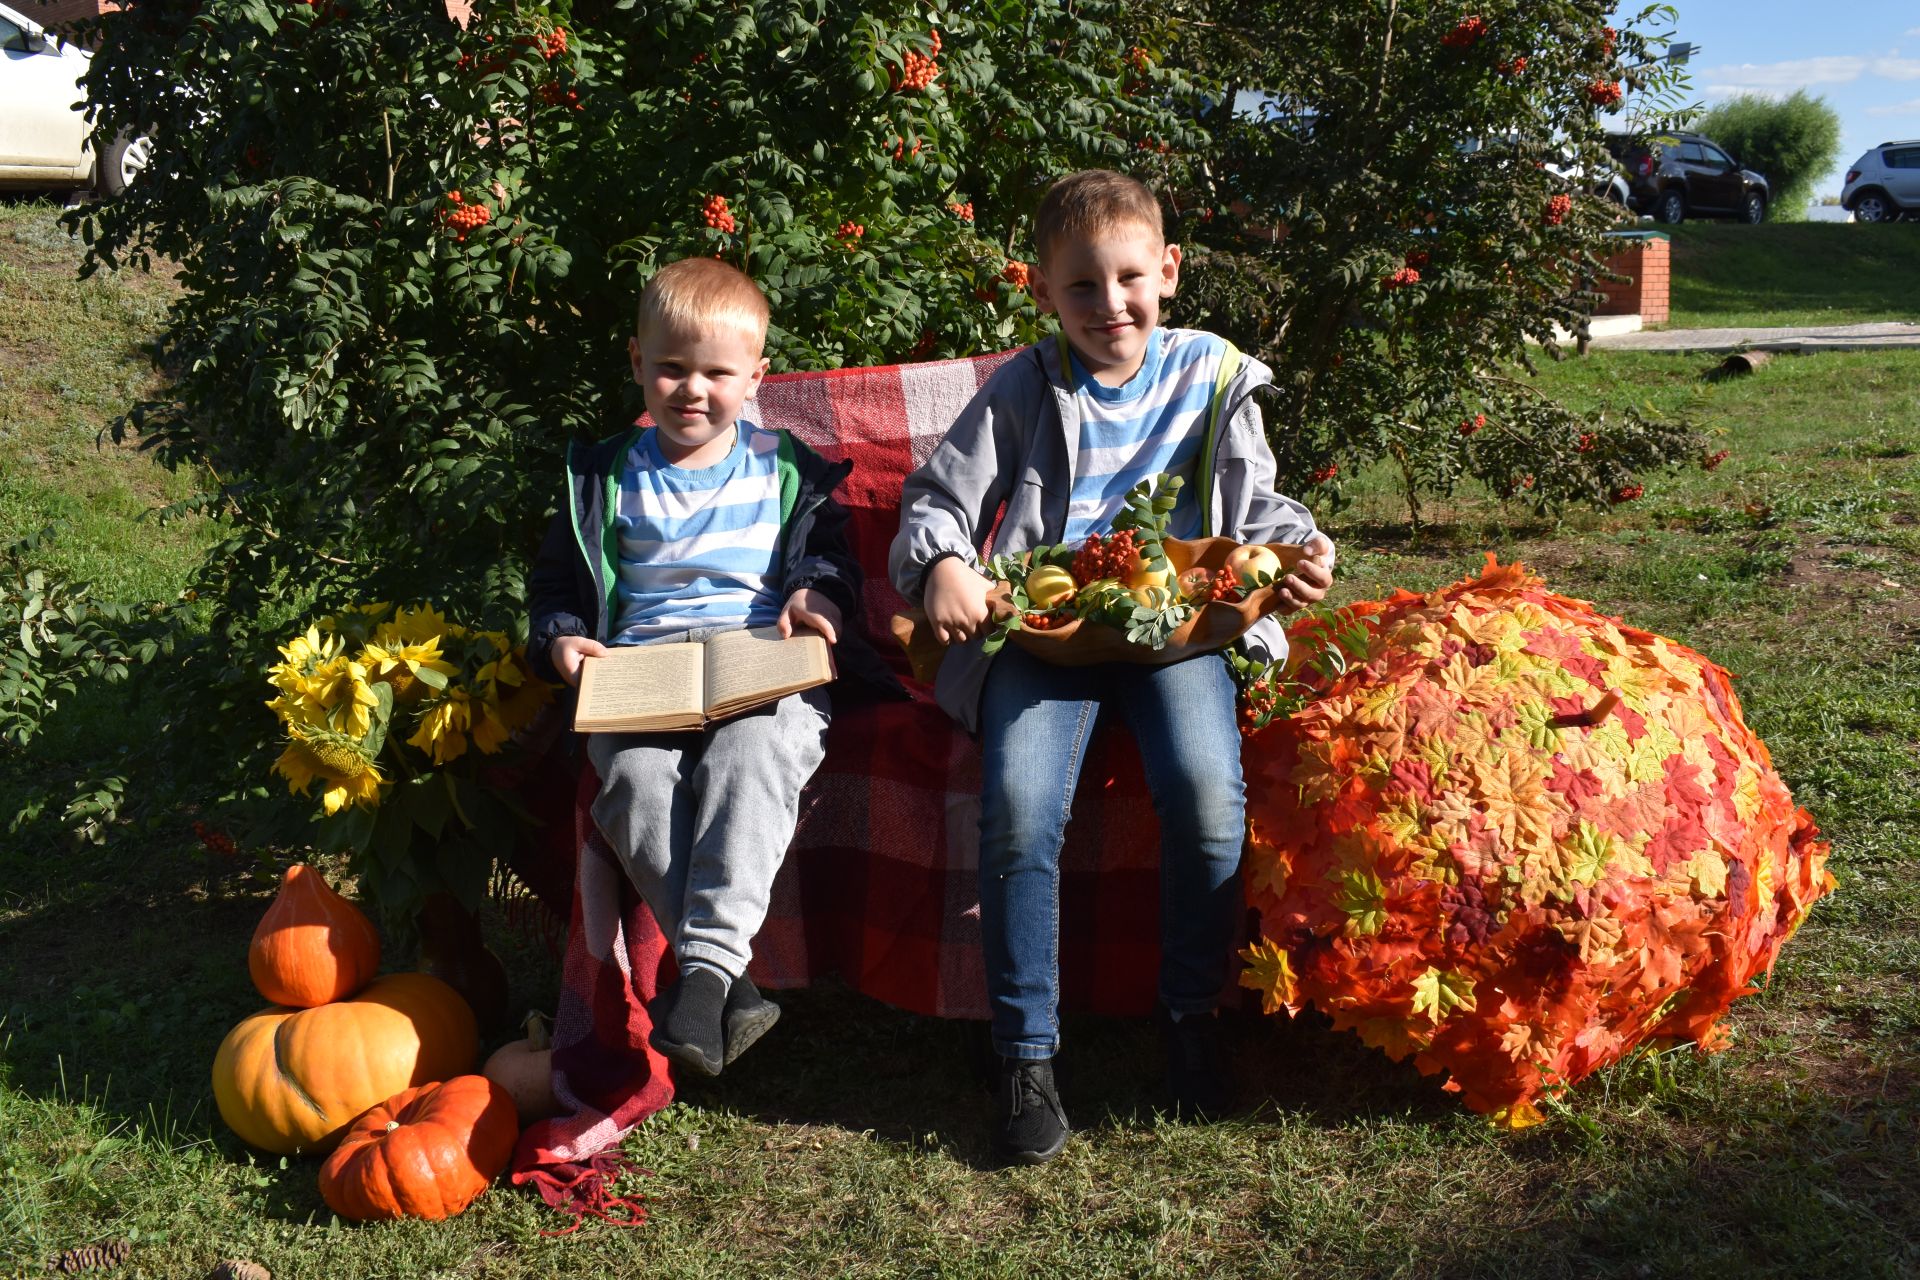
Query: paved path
1838	337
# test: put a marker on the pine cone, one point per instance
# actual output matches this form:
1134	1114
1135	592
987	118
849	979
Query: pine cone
89	1257
239	1269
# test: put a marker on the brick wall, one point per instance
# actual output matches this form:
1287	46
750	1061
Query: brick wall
1647	266
57	15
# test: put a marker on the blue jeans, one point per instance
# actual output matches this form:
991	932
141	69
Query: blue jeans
1036	721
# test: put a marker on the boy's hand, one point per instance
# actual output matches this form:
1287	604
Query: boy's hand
1310	579
956	600
809	608
570	651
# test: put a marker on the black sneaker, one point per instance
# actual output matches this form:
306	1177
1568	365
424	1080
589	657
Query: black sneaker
1032	1128
1196	1067
749	1015
687	1021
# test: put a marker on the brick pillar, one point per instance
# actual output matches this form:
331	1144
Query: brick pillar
1647	265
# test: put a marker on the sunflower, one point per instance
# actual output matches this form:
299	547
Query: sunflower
416	626
349	776
507	689
340	692
442	734
301	657
399	663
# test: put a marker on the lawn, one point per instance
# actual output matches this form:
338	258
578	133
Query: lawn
850	1142
1793	273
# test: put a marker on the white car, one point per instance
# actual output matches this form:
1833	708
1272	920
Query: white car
43	123
1884	184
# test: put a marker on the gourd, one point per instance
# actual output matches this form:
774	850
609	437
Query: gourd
426	1152
524	1068
291	1080
312	947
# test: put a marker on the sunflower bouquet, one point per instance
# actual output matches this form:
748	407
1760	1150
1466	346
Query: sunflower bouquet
397	718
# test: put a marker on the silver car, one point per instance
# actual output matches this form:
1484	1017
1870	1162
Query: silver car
44	138
1884	184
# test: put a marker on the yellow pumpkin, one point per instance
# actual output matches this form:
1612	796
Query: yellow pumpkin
292	1080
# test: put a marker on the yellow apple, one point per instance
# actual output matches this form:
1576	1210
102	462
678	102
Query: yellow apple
1252	564
1048	586
1144	575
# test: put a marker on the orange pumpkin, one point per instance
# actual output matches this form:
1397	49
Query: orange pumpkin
313	946
290	1080
423	1153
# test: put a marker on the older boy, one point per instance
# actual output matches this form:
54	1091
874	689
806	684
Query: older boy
1058	435
701	523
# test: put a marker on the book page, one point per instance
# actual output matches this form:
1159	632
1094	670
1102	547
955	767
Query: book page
745	668
638	686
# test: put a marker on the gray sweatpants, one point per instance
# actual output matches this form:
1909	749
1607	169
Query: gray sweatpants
702	820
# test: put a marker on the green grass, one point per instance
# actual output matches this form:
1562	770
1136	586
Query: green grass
850	1142
1793	273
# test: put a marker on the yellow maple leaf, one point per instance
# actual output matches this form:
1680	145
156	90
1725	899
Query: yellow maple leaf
1513	789
1363	898
1597	938
1590	851
1438	992
1270	972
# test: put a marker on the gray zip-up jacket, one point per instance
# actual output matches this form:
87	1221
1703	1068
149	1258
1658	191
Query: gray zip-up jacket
1016	442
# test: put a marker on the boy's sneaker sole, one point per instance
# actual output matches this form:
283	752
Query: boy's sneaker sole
749	1016
684	1055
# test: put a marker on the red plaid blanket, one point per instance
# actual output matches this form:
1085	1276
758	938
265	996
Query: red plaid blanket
879	885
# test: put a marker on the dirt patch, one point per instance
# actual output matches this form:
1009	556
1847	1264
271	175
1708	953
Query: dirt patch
1815	573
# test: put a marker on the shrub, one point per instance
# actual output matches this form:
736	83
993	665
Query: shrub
1791	141
1382	218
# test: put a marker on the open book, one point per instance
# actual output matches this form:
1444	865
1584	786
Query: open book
655	688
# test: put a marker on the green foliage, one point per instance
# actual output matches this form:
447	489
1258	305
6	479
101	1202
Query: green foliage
52	635
1791	141
1377	221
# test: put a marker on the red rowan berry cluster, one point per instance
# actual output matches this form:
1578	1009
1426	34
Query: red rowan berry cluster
849	233
1466	34
1585	444
717	215
900	151
918	70
1608	36
1016	273
1044	621
462	217
1526	482
216	841
1225	587
1326	473
255	157
1110	556
1139	59
1713	460
923	348
1153	144
1558	208
1258	701
962	210
1514	68
1401	278
1470	425
555	44
1417	258
1628	494
554	96
1604	93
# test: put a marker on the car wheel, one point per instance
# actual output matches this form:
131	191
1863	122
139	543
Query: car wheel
1756	210
1671	207
123	161
1872	206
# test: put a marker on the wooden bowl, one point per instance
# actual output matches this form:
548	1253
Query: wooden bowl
1084	642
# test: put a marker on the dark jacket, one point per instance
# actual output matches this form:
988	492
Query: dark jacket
572	591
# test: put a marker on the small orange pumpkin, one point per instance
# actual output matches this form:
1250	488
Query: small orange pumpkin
313	946
423	1153
524	1068
290	1080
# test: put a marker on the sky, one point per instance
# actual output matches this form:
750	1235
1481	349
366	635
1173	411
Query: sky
1862	56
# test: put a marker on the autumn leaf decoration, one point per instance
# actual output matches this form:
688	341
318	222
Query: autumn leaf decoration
1516	838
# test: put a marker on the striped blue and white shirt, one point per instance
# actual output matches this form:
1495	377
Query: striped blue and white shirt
700	549
1155	423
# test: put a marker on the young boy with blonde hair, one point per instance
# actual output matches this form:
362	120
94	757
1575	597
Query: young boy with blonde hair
1057	436
700	523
